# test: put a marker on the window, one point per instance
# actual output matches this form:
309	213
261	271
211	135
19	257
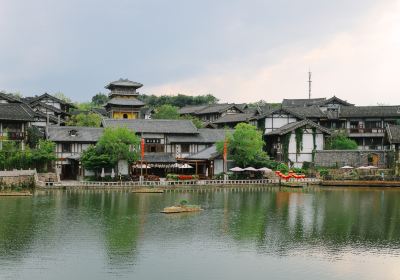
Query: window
185	148
125	116
73	132
66	147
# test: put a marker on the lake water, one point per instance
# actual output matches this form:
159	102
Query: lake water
241	234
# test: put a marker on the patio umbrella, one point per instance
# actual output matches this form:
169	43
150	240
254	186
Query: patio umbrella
362	168
102	175
236	169
112	173
346	167
250	169
144	166
176	165
264	169
185	166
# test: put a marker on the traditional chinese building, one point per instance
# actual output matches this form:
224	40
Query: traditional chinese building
123	102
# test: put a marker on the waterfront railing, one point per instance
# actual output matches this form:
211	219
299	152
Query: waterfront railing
192	183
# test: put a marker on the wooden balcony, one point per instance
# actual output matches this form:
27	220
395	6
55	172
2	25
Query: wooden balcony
12	136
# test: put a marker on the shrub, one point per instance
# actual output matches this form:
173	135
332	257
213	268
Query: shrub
282	168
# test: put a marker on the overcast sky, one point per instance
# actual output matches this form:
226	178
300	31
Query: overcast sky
239	51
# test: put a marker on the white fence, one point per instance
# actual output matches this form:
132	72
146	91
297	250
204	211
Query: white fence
198	183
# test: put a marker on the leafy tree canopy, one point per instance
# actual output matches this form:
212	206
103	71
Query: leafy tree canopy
340	141
196	121
62	97
13	157
82	119
114	145
167	112
99	99
245	146
179	100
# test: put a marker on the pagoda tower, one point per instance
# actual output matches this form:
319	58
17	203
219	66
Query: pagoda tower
123	102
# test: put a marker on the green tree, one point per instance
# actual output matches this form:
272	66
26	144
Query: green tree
43	154
340	141
167	112
114	145
62	97
13	157
179	100
196	121
99	99
82	119
245	145
34	135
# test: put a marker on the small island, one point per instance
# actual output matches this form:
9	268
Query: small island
181	208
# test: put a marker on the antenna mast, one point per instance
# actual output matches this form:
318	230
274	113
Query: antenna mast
309	84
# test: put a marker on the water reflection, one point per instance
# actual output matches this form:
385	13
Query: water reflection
121	229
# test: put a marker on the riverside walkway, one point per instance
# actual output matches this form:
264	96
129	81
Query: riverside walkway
176	184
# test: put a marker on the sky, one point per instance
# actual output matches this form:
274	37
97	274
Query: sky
239	51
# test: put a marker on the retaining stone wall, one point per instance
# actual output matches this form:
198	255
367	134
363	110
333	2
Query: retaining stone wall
339	158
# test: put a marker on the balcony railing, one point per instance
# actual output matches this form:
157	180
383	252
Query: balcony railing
12	136
366	130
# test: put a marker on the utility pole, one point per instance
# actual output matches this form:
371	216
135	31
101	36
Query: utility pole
309	84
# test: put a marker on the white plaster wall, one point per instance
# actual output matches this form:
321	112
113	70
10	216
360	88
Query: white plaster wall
277	122
123	167
218	166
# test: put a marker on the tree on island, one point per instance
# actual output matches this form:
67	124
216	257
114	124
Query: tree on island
245	146
340	141
115	144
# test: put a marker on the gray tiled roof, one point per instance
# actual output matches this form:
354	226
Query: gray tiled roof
35	104
16	112
123	83
234	118
100	111
191	109
9	98
205	135
294	125
301	102
46	95
153	126
83	134
208	109
52	118
307	112
159	158
125	102
393	132
216	108
370	111
335	100
206	154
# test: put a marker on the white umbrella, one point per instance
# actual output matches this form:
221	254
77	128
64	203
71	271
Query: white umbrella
264	169
102	175
250	169
236	169
346	167
362	167
185	166
144	166
112	173
176	165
